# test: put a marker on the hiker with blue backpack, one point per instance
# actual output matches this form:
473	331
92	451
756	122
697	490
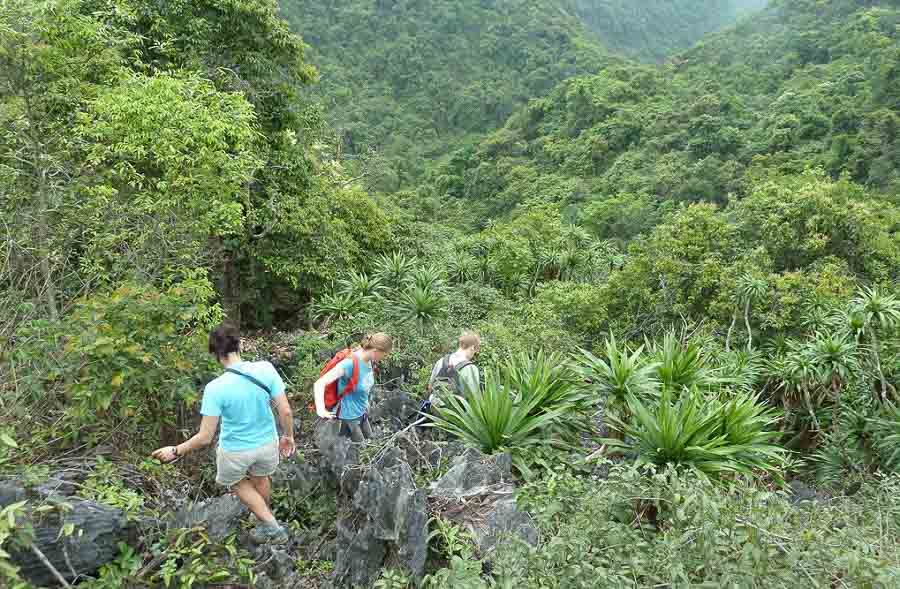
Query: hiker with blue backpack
342	391
241	400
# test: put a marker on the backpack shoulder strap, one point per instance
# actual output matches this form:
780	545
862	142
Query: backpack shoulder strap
252	379
446	369
351	383
457	372
354	377
464	364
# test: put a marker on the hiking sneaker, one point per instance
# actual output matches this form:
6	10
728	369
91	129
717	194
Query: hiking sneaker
269	535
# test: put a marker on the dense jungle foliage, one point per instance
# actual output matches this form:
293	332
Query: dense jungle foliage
685	275
656	29
405	81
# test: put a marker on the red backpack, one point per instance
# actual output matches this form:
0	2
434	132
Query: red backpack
332	397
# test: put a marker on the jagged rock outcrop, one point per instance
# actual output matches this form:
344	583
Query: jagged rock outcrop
477	494
393	410
97	530
220	515
385	524
336	454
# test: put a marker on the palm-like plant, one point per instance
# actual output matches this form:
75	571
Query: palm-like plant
361	285
393	269
551	378
336	306
681	365
427	278
887	438
749	290
530	401
849	320
621	375
741	370
706	434
549	263
834	360
570	262
462	268
797	375
879	311
421	305
485	269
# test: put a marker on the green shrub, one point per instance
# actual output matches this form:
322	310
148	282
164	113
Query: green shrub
531	401
622	375
190	559
706	433
307	362
670	528
122	362
14	533
463	573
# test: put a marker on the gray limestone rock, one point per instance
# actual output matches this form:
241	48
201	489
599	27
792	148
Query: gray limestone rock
472	474
386	525
97	531
221	515
476	494
336	453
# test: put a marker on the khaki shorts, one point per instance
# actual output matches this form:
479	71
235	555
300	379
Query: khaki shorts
233	467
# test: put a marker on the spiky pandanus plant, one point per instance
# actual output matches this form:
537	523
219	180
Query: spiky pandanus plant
393	269
423	306
619	375
531	400
880	312
336	306
426	278
361	285
704	432
681	365
749	290
461	268
834	361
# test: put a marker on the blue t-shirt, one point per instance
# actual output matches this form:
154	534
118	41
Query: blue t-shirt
355	404
244	407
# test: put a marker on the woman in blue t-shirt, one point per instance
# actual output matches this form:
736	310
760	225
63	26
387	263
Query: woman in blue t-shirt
354	406
241	400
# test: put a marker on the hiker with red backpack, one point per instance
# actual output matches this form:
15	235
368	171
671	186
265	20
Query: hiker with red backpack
456	372
342	391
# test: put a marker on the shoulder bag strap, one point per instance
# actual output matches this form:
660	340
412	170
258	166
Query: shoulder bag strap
252	379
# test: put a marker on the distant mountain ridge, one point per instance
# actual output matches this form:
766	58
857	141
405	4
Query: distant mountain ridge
806	85
651	30
410	80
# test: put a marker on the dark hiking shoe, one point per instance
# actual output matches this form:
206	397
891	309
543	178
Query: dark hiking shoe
269	535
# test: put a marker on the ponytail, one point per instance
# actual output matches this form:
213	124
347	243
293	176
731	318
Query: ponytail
377	341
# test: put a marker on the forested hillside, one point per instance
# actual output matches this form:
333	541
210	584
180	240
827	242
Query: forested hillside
679	284
652	30
804	87
407	79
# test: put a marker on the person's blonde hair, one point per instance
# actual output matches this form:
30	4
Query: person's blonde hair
381	342
469	339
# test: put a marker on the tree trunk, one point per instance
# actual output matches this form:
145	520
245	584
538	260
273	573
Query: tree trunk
747	323
877	358
809	407
228	282
835	410
734	317
44	248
